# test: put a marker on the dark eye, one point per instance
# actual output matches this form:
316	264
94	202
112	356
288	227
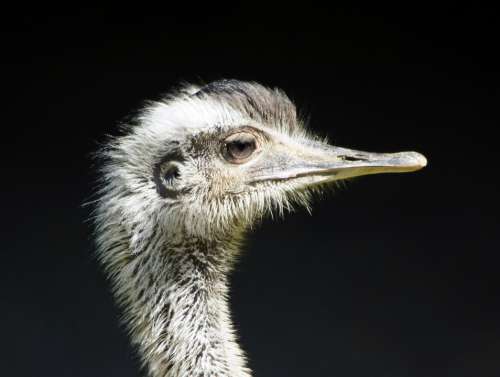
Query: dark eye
239	147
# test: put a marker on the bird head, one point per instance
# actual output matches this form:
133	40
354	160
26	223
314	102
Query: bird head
213	159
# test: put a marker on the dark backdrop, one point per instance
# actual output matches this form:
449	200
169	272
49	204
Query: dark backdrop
393	276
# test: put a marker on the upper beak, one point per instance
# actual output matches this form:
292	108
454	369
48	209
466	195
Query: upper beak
326	163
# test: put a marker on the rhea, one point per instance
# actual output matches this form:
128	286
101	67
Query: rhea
179	191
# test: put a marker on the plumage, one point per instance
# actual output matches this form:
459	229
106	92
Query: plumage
180	189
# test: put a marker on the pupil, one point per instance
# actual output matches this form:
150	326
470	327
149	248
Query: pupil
240	149
241	145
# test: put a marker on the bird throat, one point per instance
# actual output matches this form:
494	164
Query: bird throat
174	295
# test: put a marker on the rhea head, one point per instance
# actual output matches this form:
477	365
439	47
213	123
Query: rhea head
211	160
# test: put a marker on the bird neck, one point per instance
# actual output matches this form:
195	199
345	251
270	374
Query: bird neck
175	298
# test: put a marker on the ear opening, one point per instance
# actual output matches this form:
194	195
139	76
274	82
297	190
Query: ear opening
166	175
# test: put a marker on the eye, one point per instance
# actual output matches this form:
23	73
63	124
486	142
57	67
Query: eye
238	148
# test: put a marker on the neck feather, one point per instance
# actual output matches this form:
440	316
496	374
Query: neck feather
174	295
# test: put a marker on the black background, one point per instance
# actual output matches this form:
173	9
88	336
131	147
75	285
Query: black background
393	276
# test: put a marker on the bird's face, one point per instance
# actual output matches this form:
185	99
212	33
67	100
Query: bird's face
216	163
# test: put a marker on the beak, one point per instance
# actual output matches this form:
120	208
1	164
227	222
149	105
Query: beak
322	162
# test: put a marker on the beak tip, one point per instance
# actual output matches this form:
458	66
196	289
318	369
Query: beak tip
419	160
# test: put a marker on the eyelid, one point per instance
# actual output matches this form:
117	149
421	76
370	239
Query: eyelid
245	136
257	133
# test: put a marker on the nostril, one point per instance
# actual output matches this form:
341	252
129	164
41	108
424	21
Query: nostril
352	158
